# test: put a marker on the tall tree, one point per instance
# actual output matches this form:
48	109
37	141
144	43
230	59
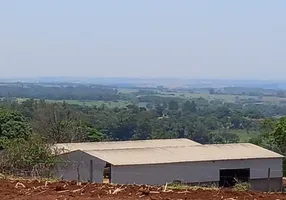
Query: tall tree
13	125
211	91
58	123
173	105
189	107
279	135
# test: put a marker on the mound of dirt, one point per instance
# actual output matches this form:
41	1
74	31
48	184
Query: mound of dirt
34	190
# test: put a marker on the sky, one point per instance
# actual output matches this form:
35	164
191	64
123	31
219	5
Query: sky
239	39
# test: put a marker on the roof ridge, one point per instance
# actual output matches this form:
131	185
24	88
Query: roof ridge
134	148
164	147
167	147
229	144
123	141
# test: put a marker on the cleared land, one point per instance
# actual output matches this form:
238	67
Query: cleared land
33	190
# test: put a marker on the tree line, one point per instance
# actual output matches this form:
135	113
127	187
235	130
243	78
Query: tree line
196	119
39	123
59	92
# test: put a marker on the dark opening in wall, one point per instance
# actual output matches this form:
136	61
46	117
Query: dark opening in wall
107	173
230	177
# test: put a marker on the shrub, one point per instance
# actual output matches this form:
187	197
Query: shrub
242	186
31	155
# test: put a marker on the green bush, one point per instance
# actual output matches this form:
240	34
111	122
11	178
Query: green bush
28	155
13	125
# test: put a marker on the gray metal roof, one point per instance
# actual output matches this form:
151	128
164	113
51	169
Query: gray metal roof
195	153
67	147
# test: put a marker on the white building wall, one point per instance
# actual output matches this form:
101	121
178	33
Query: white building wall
196	172
76	166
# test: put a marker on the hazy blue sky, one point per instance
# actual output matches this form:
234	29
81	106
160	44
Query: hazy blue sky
215	38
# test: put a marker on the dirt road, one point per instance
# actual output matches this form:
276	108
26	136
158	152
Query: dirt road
32	190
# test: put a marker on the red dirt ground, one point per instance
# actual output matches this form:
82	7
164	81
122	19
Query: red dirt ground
33	190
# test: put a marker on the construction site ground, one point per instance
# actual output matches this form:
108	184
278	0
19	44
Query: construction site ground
45	190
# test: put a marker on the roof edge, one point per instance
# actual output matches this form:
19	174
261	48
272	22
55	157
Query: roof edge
265	158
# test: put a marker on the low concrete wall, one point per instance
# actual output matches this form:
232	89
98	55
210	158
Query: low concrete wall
273	184
262	185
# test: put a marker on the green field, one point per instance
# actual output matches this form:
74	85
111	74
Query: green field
187	95
110	104
127	90
224	97
243	135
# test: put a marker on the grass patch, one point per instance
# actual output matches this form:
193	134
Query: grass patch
127	90
243	135
181	186
242	187
225	97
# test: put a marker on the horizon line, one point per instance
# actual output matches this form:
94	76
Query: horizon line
141	78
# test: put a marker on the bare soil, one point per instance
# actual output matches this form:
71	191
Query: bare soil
32	190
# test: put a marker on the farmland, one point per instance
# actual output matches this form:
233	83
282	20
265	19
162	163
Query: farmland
224	97
205	115
183	95
110	104
32	190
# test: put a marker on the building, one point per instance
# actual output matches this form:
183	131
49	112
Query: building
158	162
